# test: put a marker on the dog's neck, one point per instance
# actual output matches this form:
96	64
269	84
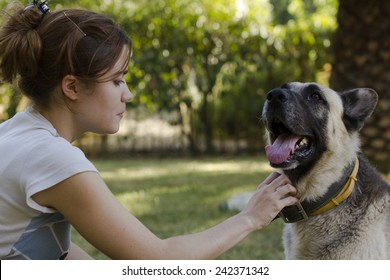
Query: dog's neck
314	179
335	194
323	177
313	187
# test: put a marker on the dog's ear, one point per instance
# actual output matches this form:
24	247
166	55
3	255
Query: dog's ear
358	106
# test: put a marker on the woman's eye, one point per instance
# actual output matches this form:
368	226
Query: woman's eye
119	82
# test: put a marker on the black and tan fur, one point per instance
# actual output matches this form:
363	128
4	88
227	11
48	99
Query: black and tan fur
359	228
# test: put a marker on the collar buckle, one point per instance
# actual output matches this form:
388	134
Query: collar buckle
293	213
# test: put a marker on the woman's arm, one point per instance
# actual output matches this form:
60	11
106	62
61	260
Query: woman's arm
88	204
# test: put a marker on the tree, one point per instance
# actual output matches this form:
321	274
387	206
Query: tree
361	48
213	61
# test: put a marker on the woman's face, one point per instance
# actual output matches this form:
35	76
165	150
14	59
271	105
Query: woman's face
101	111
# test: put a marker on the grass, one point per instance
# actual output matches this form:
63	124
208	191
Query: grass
180	196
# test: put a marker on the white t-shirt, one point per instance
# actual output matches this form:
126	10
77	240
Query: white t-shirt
33	157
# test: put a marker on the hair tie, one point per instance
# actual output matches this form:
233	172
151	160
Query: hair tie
43	7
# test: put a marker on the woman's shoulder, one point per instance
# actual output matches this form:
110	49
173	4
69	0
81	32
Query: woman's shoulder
30	141
26	125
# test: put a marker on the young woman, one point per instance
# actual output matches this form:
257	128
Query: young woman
72	64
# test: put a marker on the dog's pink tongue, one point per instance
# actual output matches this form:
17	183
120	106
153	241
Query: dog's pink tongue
281	149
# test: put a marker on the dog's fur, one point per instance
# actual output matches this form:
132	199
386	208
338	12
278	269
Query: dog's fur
359	228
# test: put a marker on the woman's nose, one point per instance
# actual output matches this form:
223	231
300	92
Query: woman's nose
127	95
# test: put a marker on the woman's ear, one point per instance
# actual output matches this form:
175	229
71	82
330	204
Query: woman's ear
69	87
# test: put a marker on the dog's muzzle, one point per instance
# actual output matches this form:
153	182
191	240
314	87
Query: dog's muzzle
290	140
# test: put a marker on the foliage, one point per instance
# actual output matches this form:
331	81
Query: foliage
213	61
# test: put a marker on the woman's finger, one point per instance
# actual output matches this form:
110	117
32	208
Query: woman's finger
271	177
285	190
280	180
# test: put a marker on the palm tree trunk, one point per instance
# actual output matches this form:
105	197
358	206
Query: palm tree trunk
361	49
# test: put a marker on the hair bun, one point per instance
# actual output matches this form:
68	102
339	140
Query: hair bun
20	43
32	15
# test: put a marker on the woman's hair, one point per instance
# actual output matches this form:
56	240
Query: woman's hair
39	49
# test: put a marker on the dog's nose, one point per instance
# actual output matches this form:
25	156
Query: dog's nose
277	95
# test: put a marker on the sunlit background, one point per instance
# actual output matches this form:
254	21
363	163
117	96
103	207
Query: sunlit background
200	70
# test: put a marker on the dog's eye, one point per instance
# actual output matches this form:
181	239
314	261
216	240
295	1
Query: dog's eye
315	96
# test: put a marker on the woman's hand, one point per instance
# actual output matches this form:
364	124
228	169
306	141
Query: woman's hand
272	195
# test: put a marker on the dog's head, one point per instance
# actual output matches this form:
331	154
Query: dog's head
308	124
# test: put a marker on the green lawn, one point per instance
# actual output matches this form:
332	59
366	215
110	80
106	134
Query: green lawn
179	196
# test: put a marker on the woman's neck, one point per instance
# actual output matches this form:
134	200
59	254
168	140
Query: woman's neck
63	120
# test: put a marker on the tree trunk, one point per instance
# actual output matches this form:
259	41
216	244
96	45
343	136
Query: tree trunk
361	49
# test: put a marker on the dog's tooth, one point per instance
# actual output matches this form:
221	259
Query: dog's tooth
302	142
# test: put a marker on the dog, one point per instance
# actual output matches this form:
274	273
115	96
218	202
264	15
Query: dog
313	136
